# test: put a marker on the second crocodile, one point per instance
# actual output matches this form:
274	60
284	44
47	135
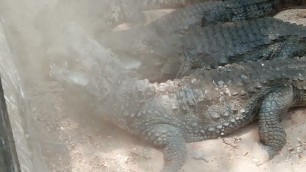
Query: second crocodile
175	56
196	12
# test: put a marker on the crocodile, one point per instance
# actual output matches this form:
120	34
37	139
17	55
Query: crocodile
211	12
204	105
176	56
197	12
159	4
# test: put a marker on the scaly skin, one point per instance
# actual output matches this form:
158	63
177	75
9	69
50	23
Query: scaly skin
160	4
176	56
212	12
196	12
204	105
163	4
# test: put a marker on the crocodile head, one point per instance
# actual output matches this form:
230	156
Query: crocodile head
136	43
147	47
85	66
80	82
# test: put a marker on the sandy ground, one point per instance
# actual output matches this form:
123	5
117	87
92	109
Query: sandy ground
70	138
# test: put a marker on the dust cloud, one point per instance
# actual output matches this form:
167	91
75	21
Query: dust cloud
47	120
56	131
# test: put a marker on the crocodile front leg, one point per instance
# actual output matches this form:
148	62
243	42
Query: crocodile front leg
171	139
271	133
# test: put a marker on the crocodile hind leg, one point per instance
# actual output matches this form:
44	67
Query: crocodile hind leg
271	133
172	141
